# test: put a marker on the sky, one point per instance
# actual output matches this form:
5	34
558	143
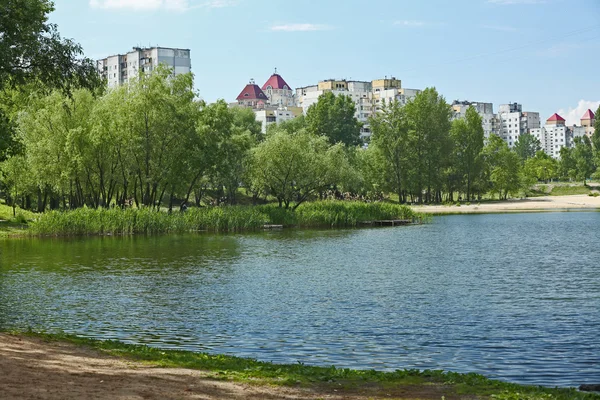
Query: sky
544	54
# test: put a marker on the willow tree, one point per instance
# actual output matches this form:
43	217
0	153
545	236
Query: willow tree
292	168
159	115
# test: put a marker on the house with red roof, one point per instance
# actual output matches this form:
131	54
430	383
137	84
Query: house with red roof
252	96
280	94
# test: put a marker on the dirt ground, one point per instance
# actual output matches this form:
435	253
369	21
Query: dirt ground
31	368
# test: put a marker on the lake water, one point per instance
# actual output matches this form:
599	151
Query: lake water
512	296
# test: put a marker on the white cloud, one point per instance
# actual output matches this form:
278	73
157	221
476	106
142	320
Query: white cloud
153	5
573	115
410	23
300	28
513	2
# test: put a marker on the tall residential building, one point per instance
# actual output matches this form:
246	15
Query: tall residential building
553	136
485	110
120	68
588	121
368	96
513	122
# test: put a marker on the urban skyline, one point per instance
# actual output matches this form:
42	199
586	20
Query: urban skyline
542	54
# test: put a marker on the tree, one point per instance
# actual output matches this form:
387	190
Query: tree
542	167
583	157
428	115
31	49
389	148
527	146
467	136
596	139
333	117
503	167
292	168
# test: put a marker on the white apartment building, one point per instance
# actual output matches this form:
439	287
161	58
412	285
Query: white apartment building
513	122
553	136
276	116
485	110
368	96
120	68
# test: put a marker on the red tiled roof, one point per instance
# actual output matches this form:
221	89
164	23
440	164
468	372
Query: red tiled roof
556	117
588	115
252	92
276	82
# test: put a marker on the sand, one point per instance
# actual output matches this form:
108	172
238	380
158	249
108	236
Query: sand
533	204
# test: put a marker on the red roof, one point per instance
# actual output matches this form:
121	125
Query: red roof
588	115
252	92
276	82
556	117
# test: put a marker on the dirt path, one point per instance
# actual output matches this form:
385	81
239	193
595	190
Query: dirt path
31	368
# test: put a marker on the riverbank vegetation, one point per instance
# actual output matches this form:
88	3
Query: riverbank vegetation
341	379
115	221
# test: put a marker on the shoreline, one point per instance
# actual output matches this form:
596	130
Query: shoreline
59	366
570	203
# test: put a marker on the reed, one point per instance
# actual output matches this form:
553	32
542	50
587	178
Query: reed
85	221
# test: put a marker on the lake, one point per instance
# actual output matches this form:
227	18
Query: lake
511	296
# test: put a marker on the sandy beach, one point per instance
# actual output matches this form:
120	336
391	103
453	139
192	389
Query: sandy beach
533	204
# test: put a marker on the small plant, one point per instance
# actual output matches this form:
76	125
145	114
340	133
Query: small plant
594	194
468	203
20	219
458	204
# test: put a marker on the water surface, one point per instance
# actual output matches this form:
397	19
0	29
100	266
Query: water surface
512	296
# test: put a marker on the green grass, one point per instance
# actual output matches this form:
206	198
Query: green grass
569	190
87	221
14	226
257	372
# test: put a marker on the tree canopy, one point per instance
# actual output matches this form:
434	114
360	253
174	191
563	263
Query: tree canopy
32	49
334	118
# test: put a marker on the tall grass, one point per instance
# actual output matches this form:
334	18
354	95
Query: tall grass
87	221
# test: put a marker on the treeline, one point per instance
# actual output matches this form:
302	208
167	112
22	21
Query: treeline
153	143
418	153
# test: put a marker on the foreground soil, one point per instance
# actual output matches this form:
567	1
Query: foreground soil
532	204
31	368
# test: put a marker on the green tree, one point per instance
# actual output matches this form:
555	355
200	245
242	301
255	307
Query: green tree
541	167
31	49
527	147
388	153
428	116
333	117
596	139
467	136
292	168
503	167
583	157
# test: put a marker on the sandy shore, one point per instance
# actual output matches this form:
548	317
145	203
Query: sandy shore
546	203
31	368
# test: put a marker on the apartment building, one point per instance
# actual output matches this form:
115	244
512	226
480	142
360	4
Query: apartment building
485	110
368	96
514	122
553	135
121	68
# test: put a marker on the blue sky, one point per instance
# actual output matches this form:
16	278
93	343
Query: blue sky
544	54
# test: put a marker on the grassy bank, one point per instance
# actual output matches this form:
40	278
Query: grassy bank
214	219
300	375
